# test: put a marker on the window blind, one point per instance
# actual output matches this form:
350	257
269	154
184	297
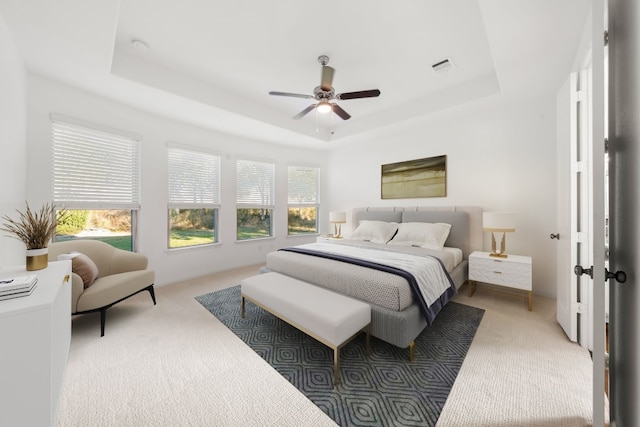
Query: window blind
254	183
194	179
94	169
303	185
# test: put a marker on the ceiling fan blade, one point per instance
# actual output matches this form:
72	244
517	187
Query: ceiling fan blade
360	94
327	78
340	112
305	111
295	95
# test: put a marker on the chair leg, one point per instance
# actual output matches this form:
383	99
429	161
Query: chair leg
153	294
103	320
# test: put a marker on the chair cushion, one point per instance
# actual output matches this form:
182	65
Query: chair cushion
109	289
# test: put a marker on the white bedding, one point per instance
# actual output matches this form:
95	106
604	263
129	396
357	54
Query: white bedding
457	255
428	271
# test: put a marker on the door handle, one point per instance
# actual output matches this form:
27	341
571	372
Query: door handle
579	271
618	276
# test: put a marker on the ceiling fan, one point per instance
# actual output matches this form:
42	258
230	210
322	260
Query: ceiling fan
325	93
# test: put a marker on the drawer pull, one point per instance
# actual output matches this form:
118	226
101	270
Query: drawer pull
498	272
66	278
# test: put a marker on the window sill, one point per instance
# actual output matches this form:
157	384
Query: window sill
257	239
192	248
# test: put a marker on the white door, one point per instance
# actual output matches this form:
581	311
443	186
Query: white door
573	210
580	300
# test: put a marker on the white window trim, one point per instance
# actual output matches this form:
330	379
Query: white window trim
271	206
215	204
305	205
66	200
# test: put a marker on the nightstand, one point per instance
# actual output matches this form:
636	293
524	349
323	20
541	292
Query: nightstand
511	272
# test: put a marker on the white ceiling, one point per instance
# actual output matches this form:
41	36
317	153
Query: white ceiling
212	62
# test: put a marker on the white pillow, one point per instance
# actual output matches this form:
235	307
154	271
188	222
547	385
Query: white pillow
422	234
375	231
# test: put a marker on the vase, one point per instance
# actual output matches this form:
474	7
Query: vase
37	259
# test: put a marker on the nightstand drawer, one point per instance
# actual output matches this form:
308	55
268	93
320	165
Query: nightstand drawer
503	271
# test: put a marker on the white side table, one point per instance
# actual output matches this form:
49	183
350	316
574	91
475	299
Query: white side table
35	334
511	272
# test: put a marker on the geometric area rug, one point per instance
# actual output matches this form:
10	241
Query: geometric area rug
378	389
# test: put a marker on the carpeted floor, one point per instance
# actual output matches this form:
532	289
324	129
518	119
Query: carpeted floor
382	388
174	364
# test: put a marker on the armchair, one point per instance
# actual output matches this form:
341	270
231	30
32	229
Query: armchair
120	274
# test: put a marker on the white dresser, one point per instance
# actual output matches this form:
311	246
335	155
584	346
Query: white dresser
35	334
512	272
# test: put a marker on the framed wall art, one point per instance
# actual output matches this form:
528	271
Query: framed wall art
415	178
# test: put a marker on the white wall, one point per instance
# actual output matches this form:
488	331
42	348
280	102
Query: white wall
46	97
499	157
13	145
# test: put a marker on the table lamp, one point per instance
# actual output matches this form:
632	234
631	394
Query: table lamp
498	222
337	218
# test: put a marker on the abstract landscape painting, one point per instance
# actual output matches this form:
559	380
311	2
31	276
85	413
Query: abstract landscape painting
415	178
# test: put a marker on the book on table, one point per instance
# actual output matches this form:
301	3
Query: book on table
13	287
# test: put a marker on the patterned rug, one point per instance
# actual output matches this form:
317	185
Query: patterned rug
378	389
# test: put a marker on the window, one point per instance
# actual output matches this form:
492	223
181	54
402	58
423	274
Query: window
194	197
303	200
254	198
96	174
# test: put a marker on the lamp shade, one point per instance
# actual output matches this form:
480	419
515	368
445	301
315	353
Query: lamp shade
499	221
338	217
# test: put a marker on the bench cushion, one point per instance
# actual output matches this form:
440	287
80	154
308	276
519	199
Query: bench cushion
332	316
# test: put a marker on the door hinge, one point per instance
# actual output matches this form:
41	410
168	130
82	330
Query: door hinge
580	166
606	38
606	145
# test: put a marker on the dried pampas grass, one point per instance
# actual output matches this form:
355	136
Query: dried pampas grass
35	229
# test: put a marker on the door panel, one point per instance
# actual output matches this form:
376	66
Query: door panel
624	210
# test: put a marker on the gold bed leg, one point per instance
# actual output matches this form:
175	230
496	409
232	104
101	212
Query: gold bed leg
412	351
242	307
530	301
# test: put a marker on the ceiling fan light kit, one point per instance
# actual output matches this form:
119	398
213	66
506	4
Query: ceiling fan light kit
324	107
325	93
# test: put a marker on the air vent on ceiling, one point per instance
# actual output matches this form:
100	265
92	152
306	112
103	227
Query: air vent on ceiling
442	66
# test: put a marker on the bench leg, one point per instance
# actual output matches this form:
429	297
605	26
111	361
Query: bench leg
368	338
336	366
242	307
412	351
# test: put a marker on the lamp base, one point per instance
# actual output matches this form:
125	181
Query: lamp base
498	255
494	252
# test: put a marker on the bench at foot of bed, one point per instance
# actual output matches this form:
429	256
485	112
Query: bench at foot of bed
331	318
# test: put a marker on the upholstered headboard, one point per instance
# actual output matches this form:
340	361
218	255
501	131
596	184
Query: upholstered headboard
466	222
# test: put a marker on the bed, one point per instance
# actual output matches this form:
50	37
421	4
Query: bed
398	313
